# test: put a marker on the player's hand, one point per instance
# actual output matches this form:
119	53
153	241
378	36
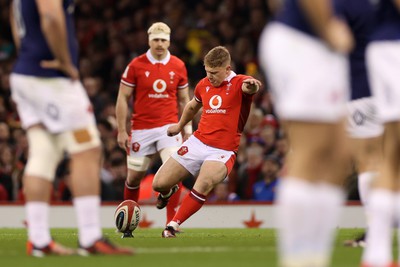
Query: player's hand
123	140
338	36
173	130
251	85
251	82
69	69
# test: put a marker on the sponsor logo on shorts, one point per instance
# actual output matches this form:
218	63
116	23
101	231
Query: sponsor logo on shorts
183	150
53	112
359	118
135	147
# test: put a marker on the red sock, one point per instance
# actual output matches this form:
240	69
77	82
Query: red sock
190	205
173	203
131	192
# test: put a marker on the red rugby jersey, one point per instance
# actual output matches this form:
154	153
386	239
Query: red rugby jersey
225	112
156	84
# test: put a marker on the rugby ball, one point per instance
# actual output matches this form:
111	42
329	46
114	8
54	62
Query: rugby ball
127	216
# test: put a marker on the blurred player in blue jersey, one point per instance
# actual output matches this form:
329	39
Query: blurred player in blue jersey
57	115
304	55
364	128
383	62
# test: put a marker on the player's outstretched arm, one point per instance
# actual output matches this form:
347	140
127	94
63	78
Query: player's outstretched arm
251	86
188	114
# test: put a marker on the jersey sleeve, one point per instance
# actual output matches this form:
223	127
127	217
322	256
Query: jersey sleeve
197	95
183	83
128	77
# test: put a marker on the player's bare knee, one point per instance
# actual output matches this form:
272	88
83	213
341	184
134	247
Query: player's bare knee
134	177
160	184
157	186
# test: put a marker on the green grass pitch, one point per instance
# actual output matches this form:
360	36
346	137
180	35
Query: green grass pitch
194	247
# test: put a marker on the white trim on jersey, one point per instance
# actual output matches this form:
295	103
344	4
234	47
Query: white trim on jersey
198	100
183	86
128	84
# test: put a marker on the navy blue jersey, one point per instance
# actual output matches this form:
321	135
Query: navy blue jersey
359	15
292	16
34	47
388	21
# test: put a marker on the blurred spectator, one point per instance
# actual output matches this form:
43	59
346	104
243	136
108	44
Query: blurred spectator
4	134
221	193
249	172
254	122
264	190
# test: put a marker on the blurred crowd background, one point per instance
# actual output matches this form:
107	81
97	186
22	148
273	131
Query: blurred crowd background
110	34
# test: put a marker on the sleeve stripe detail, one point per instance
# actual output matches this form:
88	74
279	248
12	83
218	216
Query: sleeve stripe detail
128	84
183	86
198	100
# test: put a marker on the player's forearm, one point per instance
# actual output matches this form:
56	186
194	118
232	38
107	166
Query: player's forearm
183	100
55	32
188	126
14	29
121	112
188	114
319	13
181	106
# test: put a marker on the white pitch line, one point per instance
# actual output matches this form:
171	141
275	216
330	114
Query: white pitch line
198	249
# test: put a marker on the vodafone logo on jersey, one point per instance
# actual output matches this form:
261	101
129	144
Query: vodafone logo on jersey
215	103
159	86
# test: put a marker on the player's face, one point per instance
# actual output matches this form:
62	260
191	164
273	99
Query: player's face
217	75
159	48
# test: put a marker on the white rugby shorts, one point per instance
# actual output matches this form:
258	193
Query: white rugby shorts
383	62
192	154
58	103
149	141
309	82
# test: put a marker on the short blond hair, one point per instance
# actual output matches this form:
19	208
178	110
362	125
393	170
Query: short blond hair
159	30
217	57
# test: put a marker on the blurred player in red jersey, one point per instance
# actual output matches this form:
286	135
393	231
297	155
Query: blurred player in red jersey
159	85
210	152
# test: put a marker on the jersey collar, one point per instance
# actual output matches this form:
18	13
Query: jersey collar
230	76
154	61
